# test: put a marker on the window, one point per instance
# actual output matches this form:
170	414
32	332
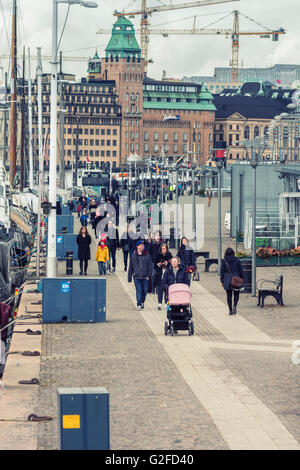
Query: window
166	137
247	132
175	148
146	147
155	148
185	137
155	136
175	137
256	131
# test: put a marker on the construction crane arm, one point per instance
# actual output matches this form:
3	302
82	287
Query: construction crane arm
171	6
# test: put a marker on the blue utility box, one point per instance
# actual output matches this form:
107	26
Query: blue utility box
66	242
65	210
65	222
74	300
83	418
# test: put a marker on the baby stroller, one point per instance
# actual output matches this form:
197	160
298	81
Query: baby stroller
179	310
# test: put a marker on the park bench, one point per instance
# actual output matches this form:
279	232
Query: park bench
209	262
275	292
205	254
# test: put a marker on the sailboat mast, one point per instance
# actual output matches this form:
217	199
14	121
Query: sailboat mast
22	172
13	104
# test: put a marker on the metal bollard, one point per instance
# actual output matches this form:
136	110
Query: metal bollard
69	263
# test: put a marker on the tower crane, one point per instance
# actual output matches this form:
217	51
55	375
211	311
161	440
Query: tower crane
234	33
48	58
145	12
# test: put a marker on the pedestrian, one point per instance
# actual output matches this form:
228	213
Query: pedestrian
140	269
154	247
175	274
208	196
162	263
78	210
231	267
127	245
84	253
187	255
71	206
84	219
102	257
113	244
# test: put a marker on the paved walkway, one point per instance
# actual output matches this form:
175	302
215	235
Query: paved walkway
230	386
242	419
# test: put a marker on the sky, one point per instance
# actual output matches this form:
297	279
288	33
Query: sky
178	55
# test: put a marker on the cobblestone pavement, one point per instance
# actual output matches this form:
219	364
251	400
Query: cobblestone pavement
151	405
183	392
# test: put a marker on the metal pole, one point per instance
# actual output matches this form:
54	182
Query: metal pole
51	260
177	210
254	233
39	72
30	123
61	128
75	175
194	208
219	222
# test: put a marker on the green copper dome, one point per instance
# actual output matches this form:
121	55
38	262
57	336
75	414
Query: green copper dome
123	42
94	65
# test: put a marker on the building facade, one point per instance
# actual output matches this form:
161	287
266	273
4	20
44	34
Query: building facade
246	114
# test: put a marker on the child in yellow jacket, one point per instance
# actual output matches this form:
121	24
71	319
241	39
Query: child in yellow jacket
102	256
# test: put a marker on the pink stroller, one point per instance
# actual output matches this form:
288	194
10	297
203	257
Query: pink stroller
179	310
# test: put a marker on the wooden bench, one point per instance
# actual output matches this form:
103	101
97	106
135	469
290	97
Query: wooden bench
209	262
205	254
275	292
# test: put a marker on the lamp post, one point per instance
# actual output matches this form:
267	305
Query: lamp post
257	147
52	261
219	164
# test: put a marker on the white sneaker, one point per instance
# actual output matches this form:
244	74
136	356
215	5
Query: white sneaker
159	306
139	307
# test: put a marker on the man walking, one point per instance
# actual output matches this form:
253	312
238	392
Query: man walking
140	269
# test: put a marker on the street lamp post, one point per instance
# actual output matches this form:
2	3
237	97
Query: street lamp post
254	163
52	261
219	164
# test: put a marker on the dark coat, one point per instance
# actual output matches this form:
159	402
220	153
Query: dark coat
140	266
187	256
154	249
235	266
127	243
182	277
113	241
84	252
160	258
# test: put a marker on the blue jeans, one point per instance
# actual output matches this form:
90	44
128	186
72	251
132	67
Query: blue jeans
101	268
141	286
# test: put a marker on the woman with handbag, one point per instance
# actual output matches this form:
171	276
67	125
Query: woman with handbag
231	278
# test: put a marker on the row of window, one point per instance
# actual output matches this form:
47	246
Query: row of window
90	142
167	149
197	136
85	131
176	88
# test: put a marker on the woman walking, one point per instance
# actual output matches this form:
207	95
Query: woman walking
84	253
231	267
162	263
186	254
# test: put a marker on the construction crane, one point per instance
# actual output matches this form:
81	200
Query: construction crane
147	11
234	33
48	58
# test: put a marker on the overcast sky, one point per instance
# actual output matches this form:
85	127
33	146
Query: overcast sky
178	55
